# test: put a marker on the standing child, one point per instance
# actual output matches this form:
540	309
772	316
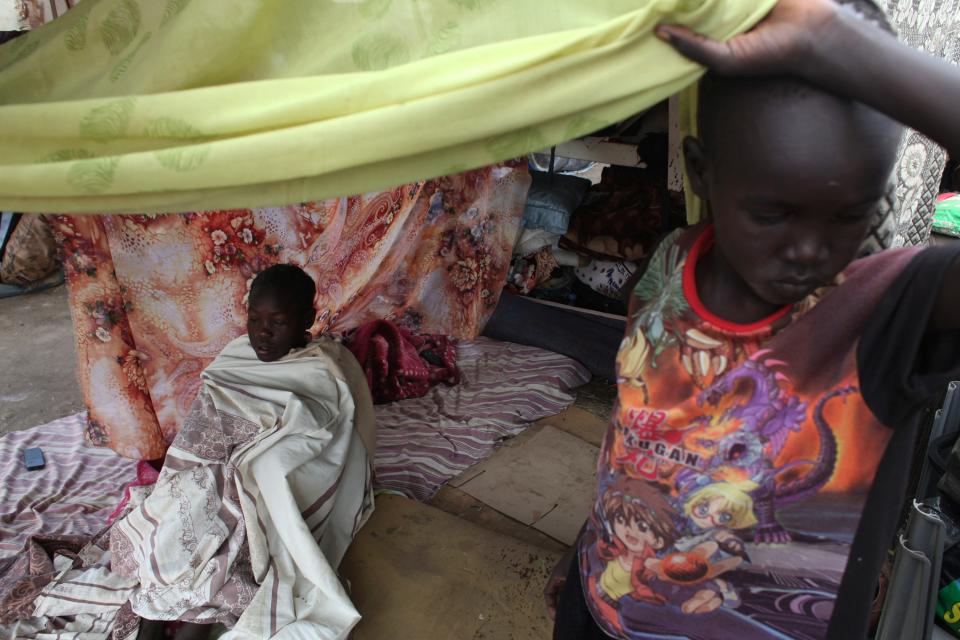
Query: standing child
801	406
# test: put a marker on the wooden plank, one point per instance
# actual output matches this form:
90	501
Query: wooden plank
466	507
580	423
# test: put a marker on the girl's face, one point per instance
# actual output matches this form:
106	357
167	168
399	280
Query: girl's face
711	514
791	200
635	535
276	326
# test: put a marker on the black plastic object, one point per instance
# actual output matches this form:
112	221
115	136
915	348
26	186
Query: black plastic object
947	423
590	339
33	458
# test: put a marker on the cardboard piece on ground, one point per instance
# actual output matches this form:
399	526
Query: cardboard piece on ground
481	467
572	420
417	572
546	481
580	423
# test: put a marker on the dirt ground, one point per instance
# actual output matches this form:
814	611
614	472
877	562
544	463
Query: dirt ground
37	360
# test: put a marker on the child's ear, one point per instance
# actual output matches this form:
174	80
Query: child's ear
309	317
695	160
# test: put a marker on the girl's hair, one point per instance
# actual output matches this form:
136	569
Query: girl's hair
736	501
288	281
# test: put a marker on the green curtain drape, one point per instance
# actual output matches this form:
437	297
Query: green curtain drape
187	105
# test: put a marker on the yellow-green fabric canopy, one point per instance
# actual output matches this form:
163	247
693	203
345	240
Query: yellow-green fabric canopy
187	105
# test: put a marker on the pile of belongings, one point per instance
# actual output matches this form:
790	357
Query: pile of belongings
581	244
551	201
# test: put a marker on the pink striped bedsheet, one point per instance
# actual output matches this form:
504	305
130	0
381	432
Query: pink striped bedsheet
424	442
70	498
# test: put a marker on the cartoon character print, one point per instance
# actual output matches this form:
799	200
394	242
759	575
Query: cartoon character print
735	433
717	471
682	502
654	330
714	513
641	552
708	546
660	291
640	523
764	415
669	538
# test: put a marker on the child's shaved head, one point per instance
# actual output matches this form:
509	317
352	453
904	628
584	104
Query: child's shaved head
792	175
716	111
287	280
777	157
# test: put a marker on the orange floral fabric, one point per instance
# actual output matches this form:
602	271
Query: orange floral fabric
156	297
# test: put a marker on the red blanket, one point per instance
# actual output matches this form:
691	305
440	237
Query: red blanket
400	364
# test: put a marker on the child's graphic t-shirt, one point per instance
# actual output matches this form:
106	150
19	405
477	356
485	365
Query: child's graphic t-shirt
753	475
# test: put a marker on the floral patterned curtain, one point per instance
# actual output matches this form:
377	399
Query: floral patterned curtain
156	297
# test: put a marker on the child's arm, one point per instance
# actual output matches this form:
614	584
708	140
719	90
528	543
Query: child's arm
832	47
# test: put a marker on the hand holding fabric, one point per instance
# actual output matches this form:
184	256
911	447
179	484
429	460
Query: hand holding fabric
778	45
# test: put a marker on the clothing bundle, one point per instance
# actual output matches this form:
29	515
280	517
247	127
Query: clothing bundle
529	271
627	211
400	364
607	277
551	201
618	224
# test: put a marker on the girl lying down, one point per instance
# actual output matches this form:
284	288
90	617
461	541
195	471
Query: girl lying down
260	495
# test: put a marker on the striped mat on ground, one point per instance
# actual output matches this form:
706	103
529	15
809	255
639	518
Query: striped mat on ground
424	442
72	496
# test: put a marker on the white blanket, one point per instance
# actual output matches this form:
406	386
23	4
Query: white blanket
261	493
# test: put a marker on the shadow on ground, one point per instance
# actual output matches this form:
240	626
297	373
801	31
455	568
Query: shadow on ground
37	360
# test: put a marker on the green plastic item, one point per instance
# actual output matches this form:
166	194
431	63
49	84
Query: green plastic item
948	607
946	218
